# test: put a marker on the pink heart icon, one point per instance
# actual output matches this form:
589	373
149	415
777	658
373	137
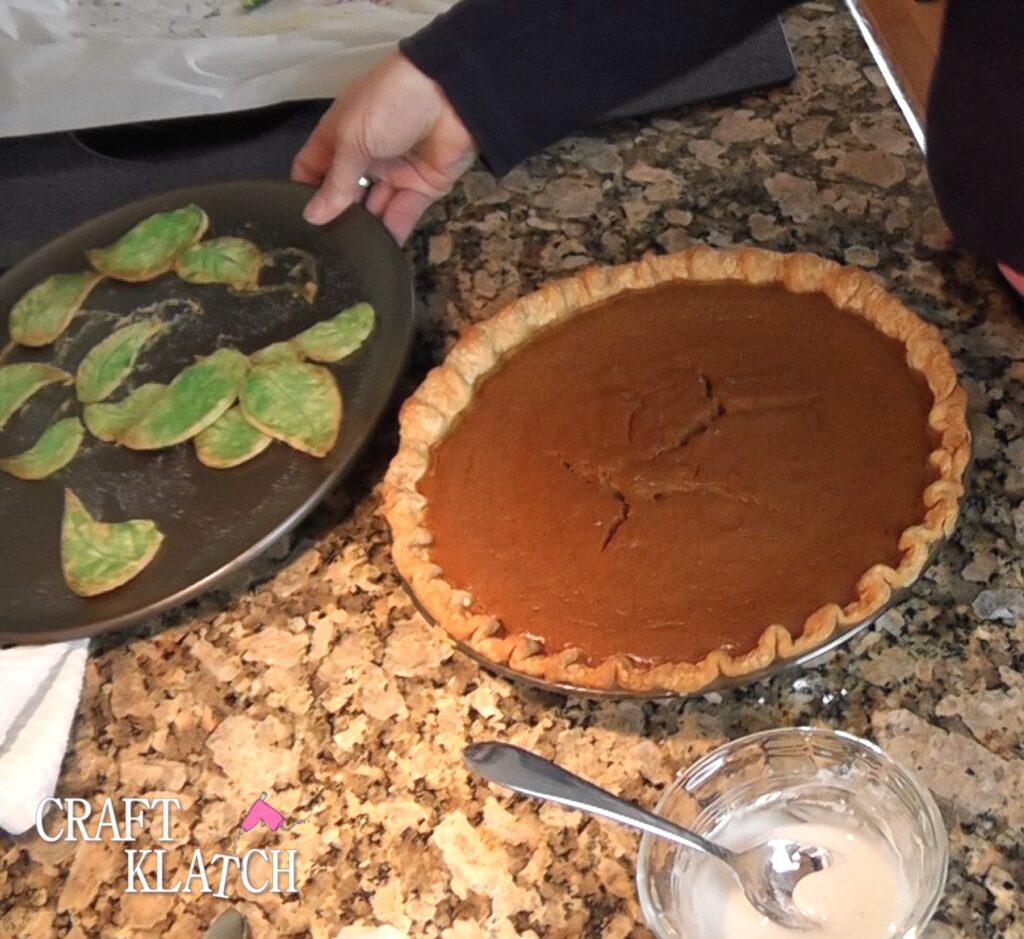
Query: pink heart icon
261	811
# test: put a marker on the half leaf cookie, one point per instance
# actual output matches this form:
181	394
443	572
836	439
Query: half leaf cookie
111	361
99	556
333	339
110	421
19	382
194	400
52	451
152	247
230	441
44	312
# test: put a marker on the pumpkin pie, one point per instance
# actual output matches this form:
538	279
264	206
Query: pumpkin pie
647	477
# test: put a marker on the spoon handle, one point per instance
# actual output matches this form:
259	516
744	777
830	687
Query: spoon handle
532	775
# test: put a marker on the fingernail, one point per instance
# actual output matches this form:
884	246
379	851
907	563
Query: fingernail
313	213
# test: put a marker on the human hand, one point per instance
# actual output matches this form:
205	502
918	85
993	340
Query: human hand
395	126
1014	278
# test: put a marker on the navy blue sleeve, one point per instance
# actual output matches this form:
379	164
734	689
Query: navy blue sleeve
975	132
524	73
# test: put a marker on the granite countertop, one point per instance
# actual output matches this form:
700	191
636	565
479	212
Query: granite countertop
316	681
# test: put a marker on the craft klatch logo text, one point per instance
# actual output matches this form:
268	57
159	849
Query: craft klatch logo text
168	867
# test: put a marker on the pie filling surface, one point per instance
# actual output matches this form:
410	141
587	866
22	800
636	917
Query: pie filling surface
670	472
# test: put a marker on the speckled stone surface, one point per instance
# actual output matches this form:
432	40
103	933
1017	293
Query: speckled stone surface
317	681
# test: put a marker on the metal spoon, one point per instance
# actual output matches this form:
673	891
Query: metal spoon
768	873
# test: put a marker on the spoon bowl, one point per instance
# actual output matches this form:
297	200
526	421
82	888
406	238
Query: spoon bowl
769	874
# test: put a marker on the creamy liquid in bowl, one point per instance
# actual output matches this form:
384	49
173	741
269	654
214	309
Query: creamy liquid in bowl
862	894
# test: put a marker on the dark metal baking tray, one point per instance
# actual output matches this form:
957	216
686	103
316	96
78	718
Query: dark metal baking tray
214	521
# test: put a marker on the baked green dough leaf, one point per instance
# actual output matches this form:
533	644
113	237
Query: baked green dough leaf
111	361
19	382
341	335
54	449
230	441
99	556
43	313
232	261
110	421
194	400
294	402
152	247
275	353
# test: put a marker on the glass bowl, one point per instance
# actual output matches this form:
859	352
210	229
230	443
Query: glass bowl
805	770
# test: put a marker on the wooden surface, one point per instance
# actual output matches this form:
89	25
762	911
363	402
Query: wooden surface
908	32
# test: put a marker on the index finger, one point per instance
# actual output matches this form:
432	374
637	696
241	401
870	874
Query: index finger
314	159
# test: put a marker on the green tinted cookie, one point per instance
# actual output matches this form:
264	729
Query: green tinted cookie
194	400
277	352
44	312
230	441
110	421
333	339
19	382
232	261
111	361
52	451
151	247
99	556
294	402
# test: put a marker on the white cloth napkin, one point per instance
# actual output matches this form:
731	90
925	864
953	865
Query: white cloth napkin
40	687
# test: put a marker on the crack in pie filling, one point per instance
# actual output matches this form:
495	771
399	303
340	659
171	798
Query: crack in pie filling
651	476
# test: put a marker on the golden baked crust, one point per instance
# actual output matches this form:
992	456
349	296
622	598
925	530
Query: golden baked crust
433	409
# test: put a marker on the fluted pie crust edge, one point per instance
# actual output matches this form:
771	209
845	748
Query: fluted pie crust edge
434	409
